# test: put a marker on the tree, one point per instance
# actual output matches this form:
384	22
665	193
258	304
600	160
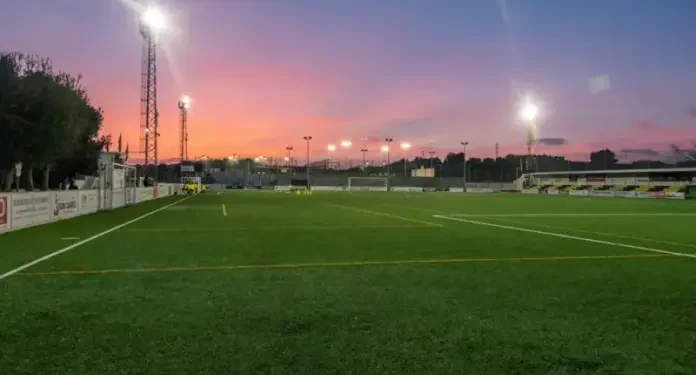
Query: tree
603	159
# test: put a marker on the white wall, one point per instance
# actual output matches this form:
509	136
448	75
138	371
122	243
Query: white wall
22	210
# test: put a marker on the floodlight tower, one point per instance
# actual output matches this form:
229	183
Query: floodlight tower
184	105
152	22
364	160
464	144
307	138
288	154
389	141
405	146
331	148
528	115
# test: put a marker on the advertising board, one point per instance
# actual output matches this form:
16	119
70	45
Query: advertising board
602	193
368	188
144	194
622	193
676	195
552	192
282	188
456	190
637	194
30	209
4	213
579	193
65	204
530	191
327	188
407	189
479	190
89	201
657	195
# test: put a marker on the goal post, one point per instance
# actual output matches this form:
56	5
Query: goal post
367	184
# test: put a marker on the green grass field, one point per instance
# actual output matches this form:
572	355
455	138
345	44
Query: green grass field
359	283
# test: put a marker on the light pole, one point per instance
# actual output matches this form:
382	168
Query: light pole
389	141
331	148
464	144
307	138
346	144
529	114
288	155
152	23
364	152
405	146
432	161
184	105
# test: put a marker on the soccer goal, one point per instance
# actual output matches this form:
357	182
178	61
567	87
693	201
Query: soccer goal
367	184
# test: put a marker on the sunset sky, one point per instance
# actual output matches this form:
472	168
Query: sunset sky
264	73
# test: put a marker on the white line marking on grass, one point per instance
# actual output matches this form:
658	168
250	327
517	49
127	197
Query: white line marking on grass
580	214
566	236
86	240
69	238
224	210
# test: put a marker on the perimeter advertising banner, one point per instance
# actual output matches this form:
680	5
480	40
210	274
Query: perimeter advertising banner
65	204
30	209
4	213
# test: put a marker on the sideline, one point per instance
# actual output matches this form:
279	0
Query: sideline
566	236
86	240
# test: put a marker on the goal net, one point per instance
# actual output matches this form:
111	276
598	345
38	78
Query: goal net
117	185
367	184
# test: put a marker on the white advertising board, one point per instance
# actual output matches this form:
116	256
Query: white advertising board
675	195
144	194
282	188
530	191
367	188
602	193
479	190
118	198
456	190
635	194
65	204
327	188
5	213
89	201
407	189
552	192
30	209
580	193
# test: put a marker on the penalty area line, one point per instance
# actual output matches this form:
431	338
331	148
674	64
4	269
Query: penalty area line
566	236
86	240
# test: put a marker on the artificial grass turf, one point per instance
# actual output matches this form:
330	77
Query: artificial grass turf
556	316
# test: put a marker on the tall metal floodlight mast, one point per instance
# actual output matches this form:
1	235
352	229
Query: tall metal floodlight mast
307	138
152	22
529	114
184	105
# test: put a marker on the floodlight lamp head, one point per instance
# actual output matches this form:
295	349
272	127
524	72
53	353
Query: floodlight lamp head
346	144
405	145
286	158
185	102
153	19
331	148
384	148
529	112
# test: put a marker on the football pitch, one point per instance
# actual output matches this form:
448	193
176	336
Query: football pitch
254	282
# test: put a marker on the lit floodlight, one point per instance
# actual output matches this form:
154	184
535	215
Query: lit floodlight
405	145
384	148
529	112
286	158
331	148
154	19
346	144
185	102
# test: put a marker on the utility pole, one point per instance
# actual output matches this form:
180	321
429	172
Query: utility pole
307	138
464	144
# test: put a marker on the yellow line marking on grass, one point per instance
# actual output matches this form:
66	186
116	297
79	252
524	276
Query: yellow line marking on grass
378	213
267	228
89	239
342	264
566	236
224	210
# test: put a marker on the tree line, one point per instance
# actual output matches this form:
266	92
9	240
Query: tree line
48	126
